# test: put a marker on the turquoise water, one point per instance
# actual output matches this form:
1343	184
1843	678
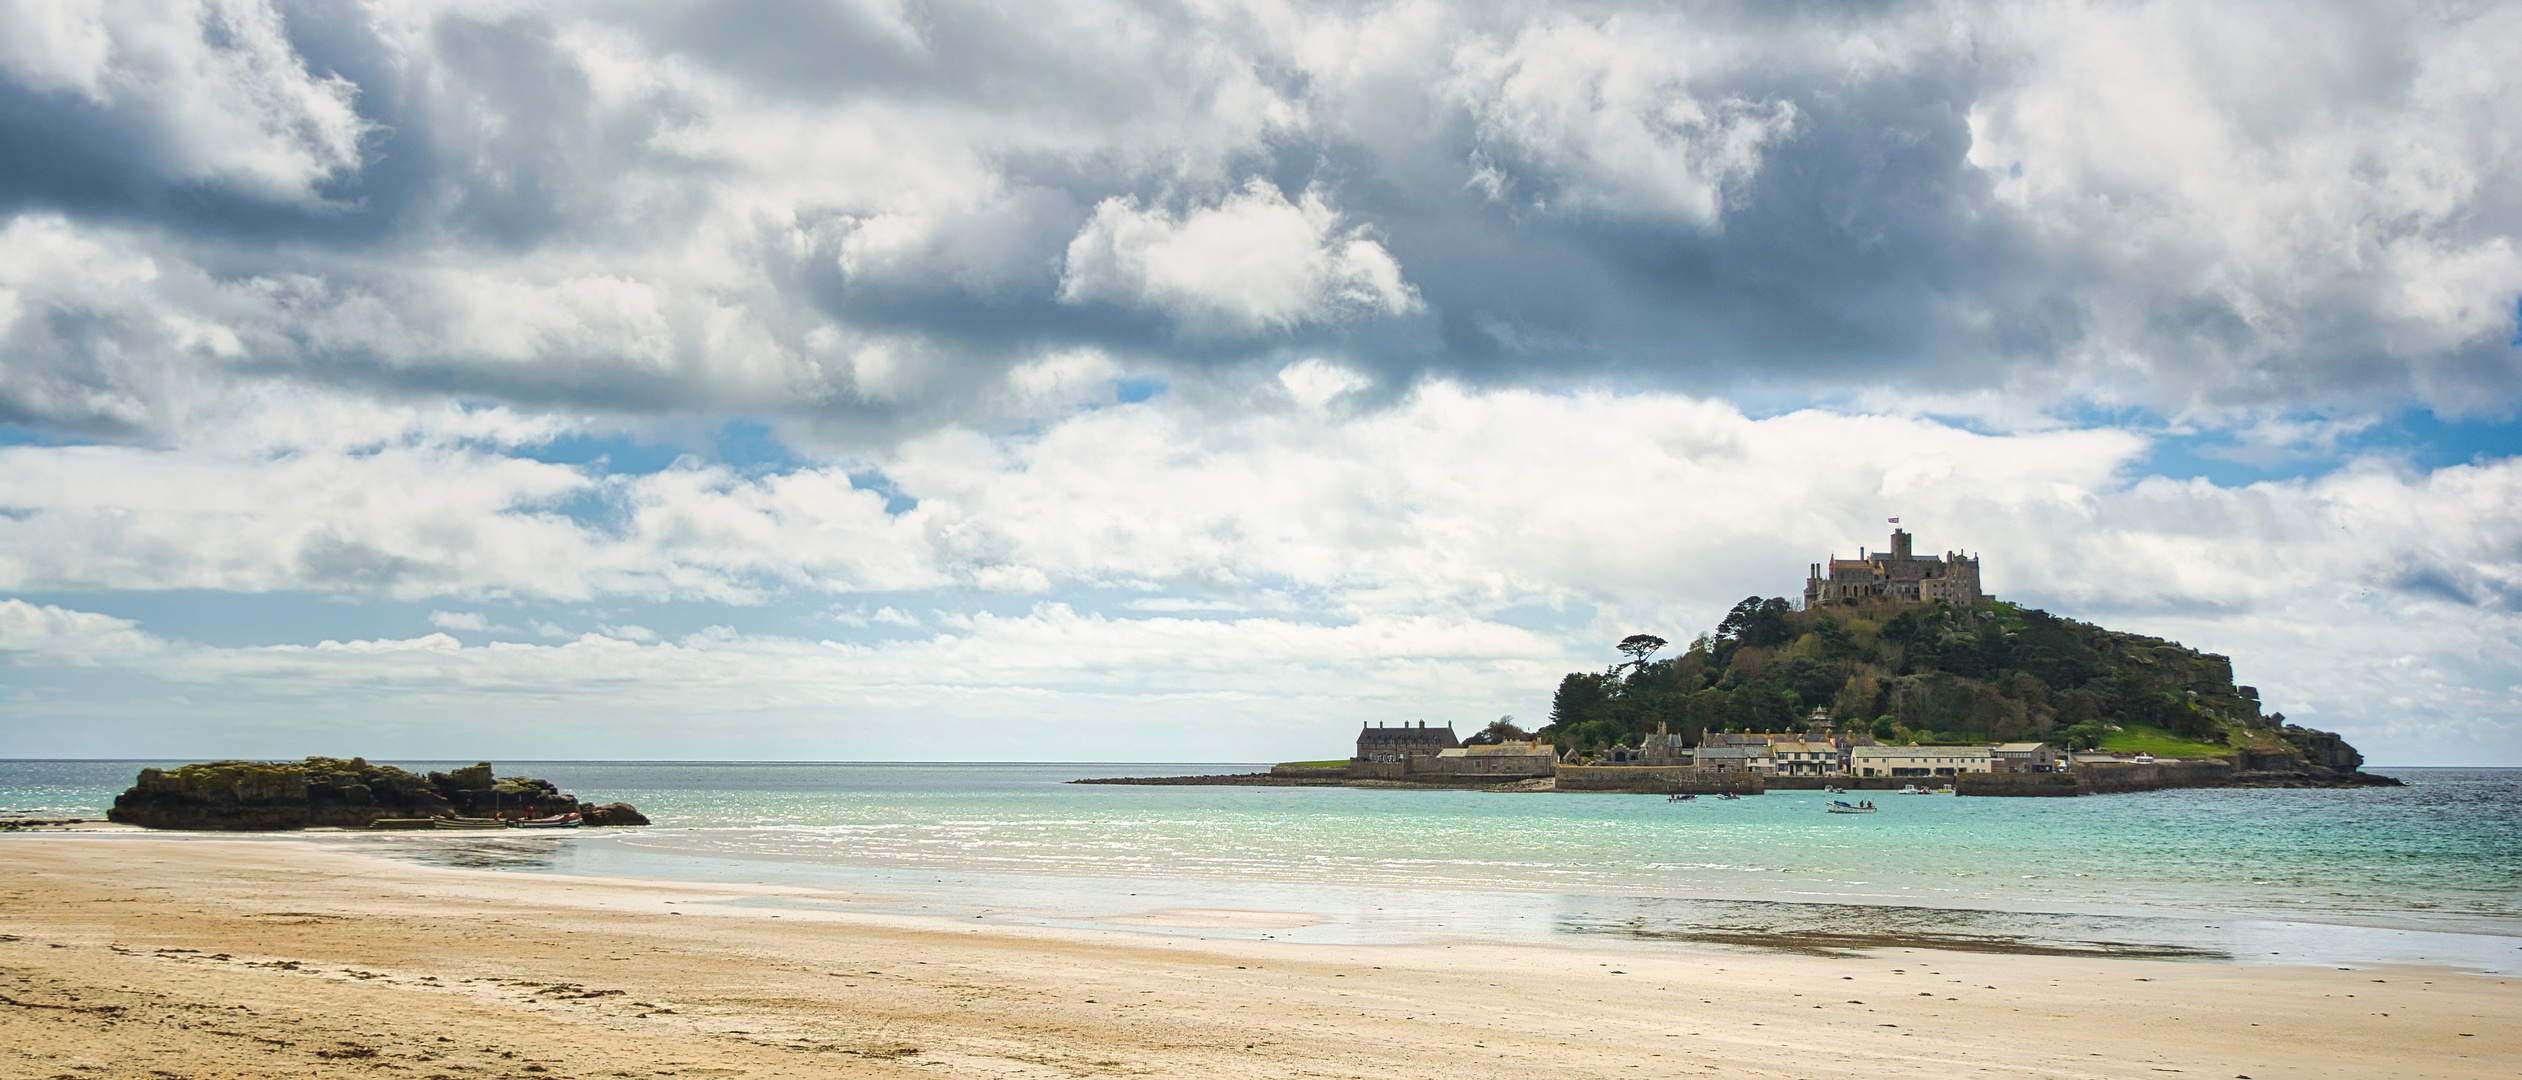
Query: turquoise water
2431	870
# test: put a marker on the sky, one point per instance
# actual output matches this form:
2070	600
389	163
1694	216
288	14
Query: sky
1096	380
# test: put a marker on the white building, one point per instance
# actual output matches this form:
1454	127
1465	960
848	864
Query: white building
1793	757
1896	761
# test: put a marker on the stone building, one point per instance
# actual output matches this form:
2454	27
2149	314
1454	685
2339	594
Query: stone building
2026	757
1522	760
1753	759
1897	574
1389	744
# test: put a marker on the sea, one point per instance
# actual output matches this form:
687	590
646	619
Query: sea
2428	874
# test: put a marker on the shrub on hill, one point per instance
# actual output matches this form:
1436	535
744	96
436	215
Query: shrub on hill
1929	672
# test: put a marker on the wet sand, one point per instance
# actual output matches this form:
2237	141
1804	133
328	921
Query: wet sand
215	959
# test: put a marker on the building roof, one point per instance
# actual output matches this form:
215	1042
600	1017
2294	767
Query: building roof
1504	749
1408	736
2022	747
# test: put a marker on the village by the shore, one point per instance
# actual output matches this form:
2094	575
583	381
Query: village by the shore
1419	755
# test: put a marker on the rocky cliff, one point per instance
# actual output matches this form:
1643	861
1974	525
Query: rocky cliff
323	791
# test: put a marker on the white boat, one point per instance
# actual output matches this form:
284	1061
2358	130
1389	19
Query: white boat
556	821
1839	807
1913	789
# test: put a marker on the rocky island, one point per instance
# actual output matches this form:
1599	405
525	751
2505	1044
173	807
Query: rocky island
1896	669
337	792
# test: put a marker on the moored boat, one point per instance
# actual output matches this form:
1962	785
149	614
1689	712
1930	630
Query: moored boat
1838	806
559	821
468	823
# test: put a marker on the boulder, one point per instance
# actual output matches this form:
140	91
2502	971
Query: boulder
620	813
323	791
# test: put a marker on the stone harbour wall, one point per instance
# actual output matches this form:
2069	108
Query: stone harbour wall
1658	780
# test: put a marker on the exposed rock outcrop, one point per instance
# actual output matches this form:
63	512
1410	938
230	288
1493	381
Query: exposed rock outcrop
620	813
323	791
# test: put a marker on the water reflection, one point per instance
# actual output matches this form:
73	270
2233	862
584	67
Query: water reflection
1846	930
493	852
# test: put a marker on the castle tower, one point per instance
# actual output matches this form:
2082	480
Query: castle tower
1898	575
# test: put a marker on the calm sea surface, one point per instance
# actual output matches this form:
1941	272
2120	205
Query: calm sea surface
2430	872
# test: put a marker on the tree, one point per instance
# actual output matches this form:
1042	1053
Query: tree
1500	730
1639	647
1582	696
1758	623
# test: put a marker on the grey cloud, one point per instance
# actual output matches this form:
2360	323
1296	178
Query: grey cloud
352	567
857	221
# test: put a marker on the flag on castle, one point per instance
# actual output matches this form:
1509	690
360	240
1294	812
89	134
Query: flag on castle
1895	521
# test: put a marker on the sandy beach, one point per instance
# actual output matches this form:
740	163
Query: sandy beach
212	959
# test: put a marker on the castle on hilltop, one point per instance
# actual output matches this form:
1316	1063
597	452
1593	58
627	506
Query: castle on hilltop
1894	575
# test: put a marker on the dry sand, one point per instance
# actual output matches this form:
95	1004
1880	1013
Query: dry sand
206	958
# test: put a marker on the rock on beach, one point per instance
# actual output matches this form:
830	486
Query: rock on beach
337	792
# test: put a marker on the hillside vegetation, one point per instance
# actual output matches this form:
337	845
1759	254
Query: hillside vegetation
1923	673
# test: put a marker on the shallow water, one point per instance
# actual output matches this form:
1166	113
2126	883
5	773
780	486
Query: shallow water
2432	871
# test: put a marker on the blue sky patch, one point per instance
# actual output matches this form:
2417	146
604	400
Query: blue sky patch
895	500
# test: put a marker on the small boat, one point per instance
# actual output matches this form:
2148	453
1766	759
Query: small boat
557	821
403	823
1836	790
1838	806
1683	798
468	823
1913	789
1727	795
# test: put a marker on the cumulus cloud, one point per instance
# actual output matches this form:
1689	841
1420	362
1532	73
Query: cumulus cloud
208	92
1291	317
1253	262
420	506
1607	114
32	634
1169	548
467	621
2282	196
654	209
